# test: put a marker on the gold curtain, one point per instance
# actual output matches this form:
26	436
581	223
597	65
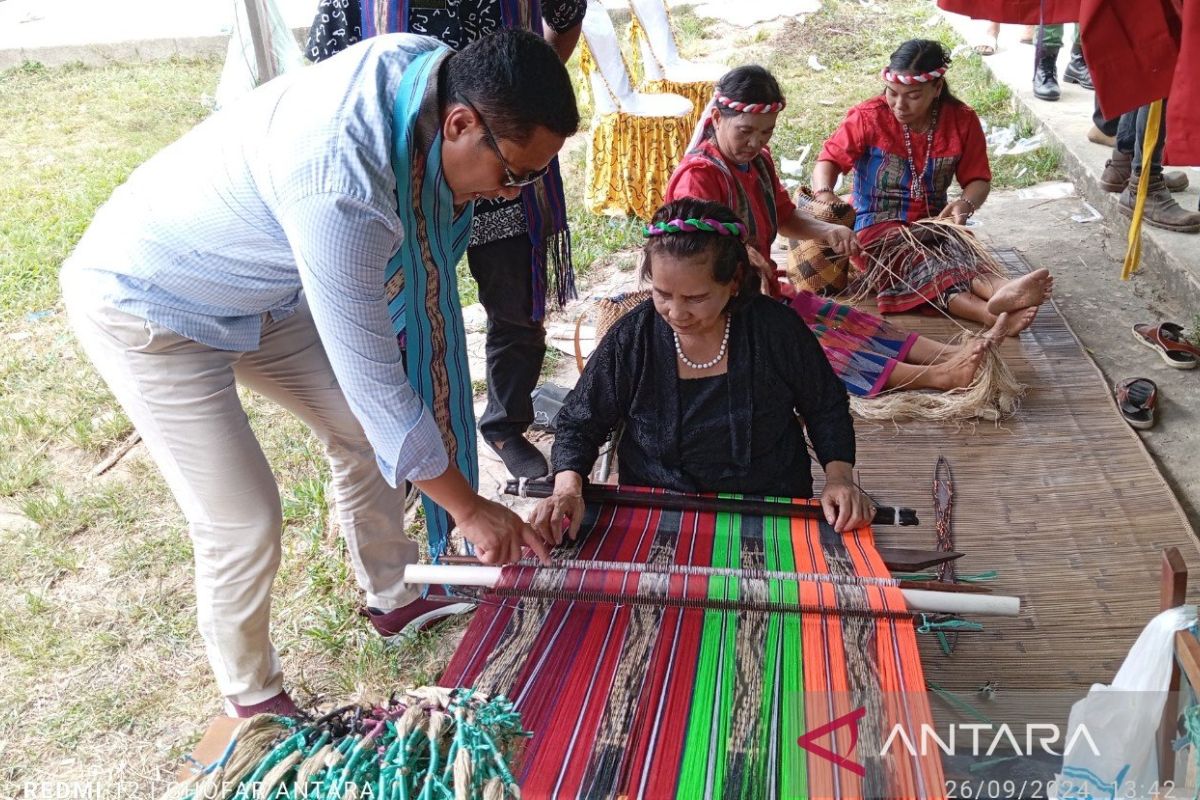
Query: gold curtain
631	160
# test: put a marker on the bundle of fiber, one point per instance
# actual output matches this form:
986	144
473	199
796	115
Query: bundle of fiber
431	742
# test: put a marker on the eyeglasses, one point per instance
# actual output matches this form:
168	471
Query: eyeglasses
511	179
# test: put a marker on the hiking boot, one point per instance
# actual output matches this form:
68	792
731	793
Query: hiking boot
1119	168
1045	75
281	705
1097	136
520	457
1161	209
1077	71
422	613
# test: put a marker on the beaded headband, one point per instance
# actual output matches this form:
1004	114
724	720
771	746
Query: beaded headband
693	225
749	108
908	80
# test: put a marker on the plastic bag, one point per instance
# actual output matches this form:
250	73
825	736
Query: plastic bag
1110	746
547	402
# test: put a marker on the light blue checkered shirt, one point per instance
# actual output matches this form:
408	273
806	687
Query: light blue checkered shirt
291	189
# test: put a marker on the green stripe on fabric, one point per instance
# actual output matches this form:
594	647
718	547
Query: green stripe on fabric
758	777
793	765
711	688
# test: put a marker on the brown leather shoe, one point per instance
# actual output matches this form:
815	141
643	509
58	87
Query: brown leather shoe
409	620
1119	168
1161	209
1097	136
281	705
1116	173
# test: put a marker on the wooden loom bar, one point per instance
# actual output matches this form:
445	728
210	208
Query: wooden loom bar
896	559
918	600
673	501
1172	593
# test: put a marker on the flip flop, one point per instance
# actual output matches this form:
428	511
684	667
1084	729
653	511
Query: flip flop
1137	398
1167	340
986	48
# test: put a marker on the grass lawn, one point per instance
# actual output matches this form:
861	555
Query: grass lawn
102	673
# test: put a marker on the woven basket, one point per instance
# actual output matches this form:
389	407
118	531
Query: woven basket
811	265
608	311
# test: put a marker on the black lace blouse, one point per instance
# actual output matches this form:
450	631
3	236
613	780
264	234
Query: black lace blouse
778	384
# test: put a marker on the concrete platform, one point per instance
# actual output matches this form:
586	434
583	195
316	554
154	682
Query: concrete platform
56	32
1170	261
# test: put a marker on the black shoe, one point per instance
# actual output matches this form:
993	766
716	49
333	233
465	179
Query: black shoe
1045	75
520	457
1077	72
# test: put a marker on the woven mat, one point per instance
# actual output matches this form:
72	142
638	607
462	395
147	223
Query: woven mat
1062	500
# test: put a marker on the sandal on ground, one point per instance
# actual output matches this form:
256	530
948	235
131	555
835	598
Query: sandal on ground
987	48
1137	398
1167	340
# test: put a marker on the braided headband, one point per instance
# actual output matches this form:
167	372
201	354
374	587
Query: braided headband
693	225
908	80
749	108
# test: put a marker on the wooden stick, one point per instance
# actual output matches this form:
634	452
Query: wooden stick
675	501
1172	592
116	455
903	559
918	600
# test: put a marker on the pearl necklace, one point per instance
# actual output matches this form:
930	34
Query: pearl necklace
707	364
917	189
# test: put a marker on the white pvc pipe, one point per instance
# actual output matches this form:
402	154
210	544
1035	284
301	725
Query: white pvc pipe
917	599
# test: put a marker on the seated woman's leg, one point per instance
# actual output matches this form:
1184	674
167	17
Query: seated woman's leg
926	351
955	372
1023	292
972	307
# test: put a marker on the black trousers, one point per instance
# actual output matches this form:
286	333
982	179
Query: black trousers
516	344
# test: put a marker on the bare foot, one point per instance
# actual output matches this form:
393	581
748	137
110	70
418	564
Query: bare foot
995	334
960	370
1025	291
1020	320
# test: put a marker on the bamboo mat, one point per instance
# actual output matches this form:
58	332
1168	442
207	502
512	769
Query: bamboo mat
1063	500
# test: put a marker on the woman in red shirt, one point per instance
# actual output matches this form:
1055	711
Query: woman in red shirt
730	163
905	147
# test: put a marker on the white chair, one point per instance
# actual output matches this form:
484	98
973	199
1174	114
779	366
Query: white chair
638	138
663	69
660	53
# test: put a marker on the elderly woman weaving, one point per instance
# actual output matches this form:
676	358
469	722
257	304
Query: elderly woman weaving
905	147
714	384
730	162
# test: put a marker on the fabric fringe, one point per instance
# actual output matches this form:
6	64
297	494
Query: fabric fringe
553	271
431	742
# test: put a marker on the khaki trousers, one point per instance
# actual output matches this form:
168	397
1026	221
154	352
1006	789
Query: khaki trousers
182	398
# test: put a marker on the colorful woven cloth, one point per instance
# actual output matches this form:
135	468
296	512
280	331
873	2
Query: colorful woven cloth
642	678
862	349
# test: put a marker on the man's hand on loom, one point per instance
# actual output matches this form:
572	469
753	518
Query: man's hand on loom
846	506
498	534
